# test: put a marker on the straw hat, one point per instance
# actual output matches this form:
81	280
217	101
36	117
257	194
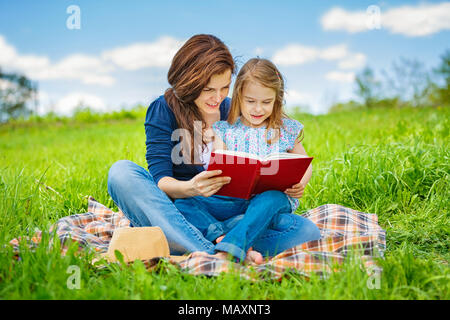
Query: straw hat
142	243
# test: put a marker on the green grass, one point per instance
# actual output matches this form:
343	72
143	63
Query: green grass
392	162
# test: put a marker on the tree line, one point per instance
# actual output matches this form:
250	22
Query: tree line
407	83
18	96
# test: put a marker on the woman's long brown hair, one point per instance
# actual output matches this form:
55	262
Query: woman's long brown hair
201	57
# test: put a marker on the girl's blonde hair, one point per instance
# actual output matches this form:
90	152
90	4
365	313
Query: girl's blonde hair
266	74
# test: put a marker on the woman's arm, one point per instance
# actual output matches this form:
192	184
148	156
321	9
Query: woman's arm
203	184
296	191
175	188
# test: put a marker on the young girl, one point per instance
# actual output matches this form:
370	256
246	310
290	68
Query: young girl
256	124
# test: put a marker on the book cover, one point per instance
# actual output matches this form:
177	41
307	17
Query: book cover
252	175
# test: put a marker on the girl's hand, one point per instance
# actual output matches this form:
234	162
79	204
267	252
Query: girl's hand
296	191
206	183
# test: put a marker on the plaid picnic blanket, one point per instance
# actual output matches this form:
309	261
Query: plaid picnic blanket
343	231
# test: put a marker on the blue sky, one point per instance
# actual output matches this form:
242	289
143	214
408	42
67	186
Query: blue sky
121	53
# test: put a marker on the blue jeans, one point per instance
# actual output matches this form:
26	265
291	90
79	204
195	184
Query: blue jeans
135	192
264	222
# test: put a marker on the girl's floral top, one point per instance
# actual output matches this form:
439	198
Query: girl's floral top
239	137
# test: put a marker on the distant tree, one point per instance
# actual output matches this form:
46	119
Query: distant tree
443	70
367	87
408	80
16	92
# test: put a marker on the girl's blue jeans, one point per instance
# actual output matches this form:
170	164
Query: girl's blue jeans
264	222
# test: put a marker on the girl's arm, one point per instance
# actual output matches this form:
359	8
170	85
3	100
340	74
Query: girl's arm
296	191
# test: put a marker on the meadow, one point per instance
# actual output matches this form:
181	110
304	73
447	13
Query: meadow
392	162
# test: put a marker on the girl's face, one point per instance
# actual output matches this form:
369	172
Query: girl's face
257	104
213	93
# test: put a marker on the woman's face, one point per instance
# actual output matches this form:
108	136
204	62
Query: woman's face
213	93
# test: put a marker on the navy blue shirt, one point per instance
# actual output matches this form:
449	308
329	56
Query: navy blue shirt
159	124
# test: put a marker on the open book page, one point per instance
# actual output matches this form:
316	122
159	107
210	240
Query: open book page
284	155
239	154
273	156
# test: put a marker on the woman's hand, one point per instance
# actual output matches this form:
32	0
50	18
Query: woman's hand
206	183
296	191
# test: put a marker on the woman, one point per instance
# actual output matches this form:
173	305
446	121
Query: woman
200	77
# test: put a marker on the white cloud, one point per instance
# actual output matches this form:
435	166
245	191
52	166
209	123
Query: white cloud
91	69
353	61
31	64
87	69
412	21
144	55
339	19
67	104
309	102
335	52
418	21
340	76
7	52
11	59
294	97
295	54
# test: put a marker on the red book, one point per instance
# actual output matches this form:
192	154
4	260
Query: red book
252	175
